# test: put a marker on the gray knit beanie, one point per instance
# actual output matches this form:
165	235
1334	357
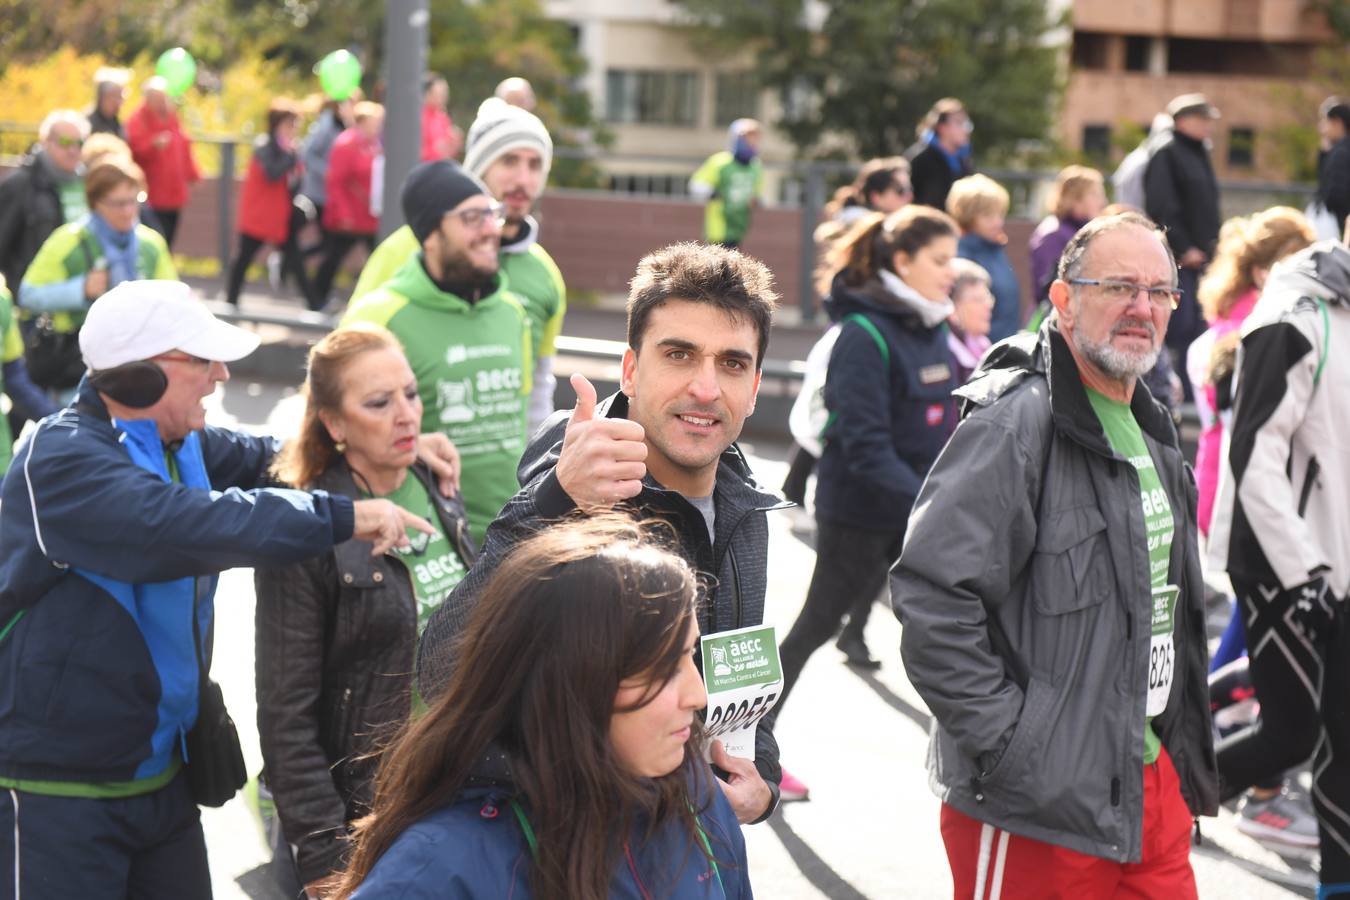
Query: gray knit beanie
501	128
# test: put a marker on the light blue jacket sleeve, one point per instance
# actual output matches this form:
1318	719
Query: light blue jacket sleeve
59	296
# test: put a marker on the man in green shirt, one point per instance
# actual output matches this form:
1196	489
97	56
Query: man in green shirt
467	338
730	182
1053	604
511	151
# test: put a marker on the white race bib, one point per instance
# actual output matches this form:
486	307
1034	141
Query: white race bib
1161	651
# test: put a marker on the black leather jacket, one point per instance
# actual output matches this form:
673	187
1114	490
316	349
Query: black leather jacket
334	657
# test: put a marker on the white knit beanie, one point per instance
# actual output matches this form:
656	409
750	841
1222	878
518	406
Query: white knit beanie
500	128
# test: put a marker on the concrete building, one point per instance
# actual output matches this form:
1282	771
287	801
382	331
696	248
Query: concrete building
1252	58
667	104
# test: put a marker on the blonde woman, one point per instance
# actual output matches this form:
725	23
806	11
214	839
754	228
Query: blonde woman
979	205
1078	196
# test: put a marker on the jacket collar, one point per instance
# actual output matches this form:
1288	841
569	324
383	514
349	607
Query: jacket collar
1048	354
353	556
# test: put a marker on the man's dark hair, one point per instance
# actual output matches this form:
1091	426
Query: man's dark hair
702	273
1071	260
1336	108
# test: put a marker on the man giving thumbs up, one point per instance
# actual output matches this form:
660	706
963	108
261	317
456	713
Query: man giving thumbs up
663	447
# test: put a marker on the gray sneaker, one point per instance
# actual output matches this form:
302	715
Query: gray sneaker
1282	822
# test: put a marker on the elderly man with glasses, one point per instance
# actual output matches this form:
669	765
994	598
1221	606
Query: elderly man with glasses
1052	601
118	514
466	336
43	193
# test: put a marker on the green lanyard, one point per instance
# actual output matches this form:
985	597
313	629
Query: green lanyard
534	844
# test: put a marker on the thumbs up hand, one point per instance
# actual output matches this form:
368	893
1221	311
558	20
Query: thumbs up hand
602	460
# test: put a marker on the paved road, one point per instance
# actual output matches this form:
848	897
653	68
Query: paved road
870	830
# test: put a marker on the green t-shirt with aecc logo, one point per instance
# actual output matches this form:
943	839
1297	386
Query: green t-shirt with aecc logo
432	561
473	363
1126	438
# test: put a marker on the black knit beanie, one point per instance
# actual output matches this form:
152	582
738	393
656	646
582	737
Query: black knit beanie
431	190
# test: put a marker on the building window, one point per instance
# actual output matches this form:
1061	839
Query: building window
1097	140
1241	147
651	97
1136	53
737	97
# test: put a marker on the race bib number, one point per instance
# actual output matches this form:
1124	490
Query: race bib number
1162	651
744	680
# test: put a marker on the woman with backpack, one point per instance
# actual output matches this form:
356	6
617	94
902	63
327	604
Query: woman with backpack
888	396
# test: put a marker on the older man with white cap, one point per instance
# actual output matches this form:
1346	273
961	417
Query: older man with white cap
511	151
116	517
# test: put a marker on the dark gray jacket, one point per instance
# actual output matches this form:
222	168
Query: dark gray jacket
736	561
1024	592
335	640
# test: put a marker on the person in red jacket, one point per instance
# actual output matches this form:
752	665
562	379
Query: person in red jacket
440	138
347	217
266	211
164	152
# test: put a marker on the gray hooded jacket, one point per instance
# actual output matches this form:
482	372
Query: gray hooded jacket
1025	597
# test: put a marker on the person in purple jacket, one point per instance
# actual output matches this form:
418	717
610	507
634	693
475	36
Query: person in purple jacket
1079	195
565	758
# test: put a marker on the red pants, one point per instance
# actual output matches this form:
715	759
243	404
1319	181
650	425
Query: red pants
988	863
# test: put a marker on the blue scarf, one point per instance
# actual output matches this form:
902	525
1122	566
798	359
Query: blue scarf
120	248
953	159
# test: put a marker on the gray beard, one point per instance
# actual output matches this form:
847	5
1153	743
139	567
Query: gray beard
1117	364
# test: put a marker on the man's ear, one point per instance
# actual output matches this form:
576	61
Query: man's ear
754	395
628	378
1059	298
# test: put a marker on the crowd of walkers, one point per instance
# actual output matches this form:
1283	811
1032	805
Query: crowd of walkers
477	632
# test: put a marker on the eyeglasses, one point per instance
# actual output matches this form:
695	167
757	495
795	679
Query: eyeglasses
122	202
67	143
1122	292
901	188
475	217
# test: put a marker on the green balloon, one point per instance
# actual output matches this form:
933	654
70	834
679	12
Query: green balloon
339	74
178	68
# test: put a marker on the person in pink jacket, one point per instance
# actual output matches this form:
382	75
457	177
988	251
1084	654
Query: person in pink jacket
348	218
1248	248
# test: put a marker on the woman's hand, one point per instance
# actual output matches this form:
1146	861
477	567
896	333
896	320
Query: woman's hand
439	455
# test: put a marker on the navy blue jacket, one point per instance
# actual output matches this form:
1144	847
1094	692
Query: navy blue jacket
104	558
1003	283
888	423
475	848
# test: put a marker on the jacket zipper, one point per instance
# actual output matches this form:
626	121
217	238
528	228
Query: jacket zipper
735	569
1309	478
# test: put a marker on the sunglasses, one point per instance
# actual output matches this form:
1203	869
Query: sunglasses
67	143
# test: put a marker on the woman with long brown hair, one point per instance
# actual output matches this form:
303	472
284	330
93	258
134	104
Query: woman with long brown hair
564	761
336	634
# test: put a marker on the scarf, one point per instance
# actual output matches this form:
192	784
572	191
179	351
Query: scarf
120	248
931	314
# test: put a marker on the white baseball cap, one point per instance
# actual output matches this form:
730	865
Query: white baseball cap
141	319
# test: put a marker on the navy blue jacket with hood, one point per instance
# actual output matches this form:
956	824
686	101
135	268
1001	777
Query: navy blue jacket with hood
104	558
888	418
476	848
